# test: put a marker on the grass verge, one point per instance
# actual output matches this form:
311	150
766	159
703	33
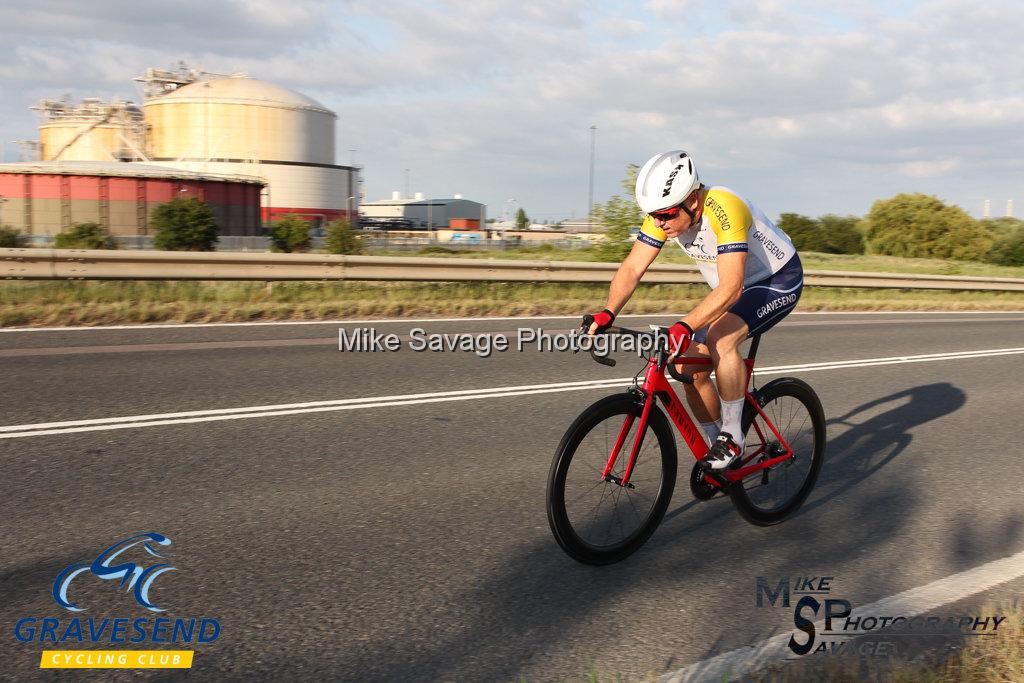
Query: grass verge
670	255
27	303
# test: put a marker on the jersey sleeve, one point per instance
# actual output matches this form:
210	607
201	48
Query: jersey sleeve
730	220
650	234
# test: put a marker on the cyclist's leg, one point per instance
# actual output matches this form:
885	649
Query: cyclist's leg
759	308
701	396
724	339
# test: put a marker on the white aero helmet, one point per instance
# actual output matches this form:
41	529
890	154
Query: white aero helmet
665	180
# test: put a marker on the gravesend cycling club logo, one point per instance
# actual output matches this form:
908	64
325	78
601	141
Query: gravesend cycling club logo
137	578
880	631
130	566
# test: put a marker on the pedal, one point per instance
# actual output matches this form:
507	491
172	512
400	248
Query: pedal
723	482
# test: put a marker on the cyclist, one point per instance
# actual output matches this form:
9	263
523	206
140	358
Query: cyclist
753	270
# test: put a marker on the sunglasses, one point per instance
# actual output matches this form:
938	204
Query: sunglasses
666	214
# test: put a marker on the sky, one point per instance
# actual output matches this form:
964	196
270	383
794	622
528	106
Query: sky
798	108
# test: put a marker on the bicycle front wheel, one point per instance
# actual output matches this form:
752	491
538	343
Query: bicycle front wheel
596	520
771	495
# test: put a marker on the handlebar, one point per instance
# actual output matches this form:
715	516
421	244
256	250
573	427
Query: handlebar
638	334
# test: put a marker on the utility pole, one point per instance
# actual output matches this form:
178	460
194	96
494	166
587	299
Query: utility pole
590	195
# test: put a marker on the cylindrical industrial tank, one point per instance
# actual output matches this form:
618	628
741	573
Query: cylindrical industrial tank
237	119
93	143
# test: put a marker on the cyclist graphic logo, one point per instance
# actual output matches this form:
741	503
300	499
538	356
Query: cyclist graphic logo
134	577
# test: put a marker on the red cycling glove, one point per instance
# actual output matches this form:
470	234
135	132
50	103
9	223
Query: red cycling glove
604	319
679	339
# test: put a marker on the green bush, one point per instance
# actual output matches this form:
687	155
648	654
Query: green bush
1003	226
85	236
342	238
185	224
9	237
1008	249
842	235
289	234
827	235
922	226
805	232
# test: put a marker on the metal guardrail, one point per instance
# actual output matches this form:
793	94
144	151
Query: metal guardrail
88	264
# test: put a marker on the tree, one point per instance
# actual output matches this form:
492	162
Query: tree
185	224
342	238
828	234
289	234
522	220
805	232
1003	225
85	236
618	215
841	235
11	238
1008	249
922	226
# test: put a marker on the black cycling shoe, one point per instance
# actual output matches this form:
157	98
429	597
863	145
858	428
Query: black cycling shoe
723	452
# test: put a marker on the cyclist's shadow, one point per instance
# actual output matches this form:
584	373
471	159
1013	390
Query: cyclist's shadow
869	445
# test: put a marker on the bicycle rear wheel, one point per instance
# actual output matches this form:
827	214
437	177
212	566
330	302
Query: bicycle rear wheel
597	521
771	495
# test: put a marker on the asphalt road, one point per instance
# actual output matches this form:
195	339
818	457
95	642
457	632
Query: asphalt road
410	542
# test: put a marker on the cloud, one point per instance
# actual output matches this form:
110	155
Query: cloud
802	109
925	169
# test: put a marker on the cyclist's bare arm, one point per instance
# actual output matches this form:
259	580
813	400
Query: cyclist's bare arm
633	267
730	286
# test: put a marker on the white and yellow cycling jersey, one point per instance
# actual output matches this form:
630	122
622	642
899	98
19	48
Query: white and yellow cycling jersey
728	223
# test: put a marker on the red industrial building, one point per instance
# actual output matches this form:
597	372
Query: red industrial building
46	198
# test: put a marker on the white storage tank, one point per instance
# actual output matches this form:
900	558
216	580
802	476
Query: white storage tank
93	130
244	126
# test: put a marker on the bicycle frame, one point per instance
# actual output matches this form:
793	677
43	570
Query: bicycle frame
655	384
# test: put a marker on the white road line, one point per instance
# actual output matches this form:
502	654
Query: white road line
218	414
475	393
276	323
914	602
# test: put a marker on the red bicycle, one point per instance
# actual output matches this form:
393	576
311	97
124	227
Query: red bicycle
605	501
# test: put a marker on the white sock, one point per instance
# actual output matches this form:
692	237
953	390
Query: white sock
732	413
712	429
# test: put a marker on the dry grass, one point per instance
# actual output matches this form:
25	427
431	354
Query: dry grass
811	260
25	303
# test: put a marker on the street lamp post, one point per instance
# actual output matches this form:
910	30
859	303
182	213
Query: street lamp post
590	195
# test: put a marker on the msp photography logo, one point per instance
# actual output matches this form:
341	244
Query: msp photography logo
841	626
131	565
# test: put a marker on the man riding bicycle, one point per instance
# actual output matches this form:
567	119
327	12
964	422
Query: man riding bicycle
753	270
